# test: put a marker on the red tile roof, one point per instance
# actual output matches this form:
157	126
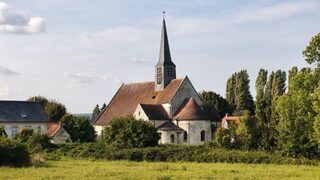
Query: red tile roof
128	96
190	110
53	129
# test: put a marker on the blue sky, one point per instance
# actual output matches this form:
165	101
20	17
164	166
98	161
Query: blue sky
79	52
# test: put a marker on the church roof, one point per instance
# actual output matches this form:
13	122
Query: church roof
129	96
168	126
190	110
164	55
155	111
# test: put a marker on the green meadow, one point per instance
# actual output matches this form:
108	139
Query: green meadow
85	169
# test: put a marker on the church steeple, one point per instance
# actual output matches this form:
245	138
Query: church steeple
165	68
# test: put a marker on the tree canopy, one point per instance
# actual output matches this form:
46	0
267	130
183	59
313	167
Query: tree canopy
312	51
212	99
127	132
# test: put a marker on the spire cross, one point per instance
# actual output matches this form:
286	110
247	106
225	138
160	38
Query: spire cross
163	14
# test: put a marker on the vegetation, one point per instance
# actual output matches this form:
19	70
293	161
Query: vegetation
13	153
3	132
238	92
53	108
79	128
211	99
84	169
128	132
312	51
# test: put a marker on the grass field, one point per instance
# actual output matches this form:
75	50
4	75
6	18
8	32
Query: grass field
83	169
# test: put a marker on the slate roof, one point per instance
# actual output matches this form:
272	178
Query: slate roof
164	55
155	111
22	111
53	129
190	110
168	126
129	96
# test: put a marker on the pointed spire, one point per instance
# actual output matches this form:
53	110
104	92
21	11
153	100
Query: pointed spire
164	56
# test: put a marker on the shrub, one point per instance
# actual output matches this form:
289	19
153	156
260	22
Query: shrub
13	153
128	132
24	135
3	132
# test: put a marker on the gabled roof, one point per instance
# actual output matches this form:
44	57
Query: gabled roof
53	129
190	110
22	111
168	126
164	55
155	111
129	96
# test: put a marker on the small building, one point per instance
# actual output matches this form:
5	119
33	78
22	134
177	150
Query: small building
227	121
18	115
58	133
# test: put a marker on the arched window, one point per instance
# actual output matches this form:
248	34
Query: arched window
185	136
202	135
172	138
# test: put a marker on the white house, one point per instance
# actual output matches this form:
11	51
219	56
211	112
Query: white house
18	115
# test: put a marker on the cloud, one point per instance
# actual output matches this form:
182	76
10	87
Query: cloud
85	78
7	72
18	23
142	61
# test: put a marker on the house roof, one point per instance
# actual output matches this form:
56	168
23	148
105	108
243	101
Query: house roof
128	96
232	118
190	110
53	129
155	111
168	126
22	111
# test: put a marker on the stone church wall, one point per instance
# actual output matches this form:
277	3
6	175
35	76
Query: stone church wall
194	128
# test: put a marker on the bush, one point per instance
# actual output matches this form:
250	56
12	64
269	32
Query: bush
3	132
24	135
13	153
131	133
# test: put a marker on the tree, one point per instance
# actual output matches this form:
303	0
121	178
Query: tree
248	132
79	128
260	103
24	135
3	132
95	113
312	51
316	107
225	137
127	132
238	92
54	110
103	107
211	99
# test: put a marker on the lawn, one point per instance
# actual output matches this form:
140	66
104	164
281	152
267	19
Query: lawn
84	169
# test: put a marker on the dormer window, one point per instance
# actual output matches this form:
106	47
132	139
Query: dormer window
24	116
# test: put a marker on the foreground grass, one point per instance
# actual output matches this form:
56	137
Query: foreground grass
84	169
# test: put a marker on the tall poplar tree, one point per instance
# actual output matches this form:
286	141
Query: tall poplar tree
260	103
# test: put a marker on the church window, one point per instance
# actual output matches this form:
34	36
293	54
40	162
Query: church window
159	75
185	136
202	135
172	138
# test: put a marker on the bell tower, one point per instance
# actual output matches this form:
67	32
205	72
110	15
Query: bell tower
165	70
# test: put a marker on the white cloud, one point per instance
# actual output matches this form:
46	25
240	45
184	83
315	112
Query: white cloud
7	71
86	78
18	23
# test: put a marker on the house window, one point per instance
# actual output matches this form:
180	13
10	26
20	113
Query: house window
172	138
14	131
185	136
202	135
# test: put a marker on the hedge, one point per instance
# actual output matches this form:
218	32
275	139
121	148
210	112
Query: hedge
171	153
13	153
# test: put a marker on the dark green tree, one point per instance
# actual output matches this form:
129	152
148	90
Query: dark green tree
244	99
212	99
260	103
312	51
95	113
103	106
127	132
54	110
230	90
79	128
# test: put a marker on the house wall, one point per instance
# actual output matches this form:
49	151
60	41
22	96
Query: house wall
185	91
37	127
166	137
98	130
61	136
194	128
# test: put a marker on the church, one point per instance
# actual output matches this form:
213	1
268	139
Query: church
171	104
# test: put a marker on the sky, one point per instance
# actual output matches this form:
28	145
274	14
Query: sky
80	52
